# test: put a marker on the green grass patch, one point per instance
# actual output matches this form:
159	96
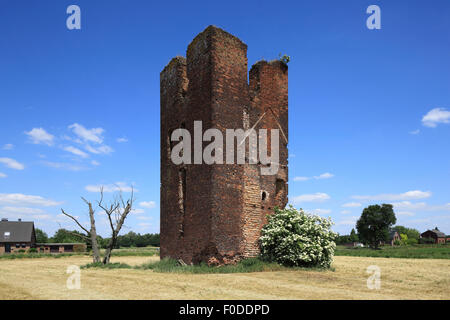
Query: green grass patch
135	252
167	265
100	265
412	252
122	252
248	265
12	256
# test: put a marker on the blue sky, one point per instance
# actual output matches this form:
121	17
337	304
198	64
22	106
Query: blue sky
369	110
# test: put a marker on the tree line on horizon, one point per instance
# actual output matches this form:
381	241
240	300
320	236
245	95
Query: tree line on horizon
374	226
130	239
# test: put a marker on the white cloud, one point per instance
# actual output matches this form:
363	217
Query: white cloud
23	199
118	186
316	197
21	210
90	139
301	178
138	211
147	204
415	132
92	135
436	116
144	224
95	163
11	163
325	175
320	211
2	175
144	218
76	151
351	205
103	149
419	220
64	166
42	217
8	146
420	206
350	221
408	205
404	213
122	140
345	211
410	195
40	136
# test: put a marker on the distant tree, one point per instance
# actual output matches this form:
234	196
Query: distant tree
404	239
132	239
413	234
41	236
353	236
374	224
66	236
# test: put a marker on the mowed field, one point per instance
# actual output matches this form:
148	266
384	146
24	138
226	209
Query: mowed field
45	278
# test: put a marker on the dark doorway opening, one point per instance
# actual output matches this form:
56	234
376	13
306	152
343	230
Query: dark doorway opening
7	248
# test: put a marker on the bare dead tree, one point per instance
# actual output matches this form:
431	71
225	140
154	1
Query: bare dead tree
116	211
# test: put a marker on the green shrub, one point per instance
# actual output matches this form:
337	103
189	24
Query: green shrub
79	247
32	250
284	58
21	251
295	238
426	240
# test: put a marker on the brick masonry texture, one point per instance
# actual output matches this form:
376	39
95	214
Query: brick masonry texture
214	213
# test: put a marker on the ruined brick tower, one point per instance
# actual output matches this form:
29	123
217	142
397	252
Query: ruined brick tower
214	213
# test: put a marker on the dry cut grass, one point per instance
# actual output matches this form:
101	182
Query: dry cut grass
400	279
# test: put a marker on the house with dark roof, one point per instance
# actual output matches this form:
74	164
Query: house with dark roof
16	235
393	237
435	234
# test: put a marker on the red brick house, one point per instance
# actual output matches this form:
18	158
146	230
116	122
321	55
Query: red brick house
435	234
20	236
16	236
393	237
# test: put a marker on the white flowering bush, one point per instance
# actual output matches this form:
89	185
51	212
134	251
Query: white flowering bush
294	238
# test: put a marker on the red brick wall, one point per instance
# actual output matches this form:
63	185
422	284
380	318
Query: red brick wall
222	213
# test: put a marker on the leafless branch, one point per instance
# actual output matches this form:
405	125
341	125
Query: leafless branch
76	221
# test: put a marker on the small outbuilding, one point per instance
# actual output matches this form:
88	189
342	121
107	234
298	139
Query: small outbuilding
60	247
